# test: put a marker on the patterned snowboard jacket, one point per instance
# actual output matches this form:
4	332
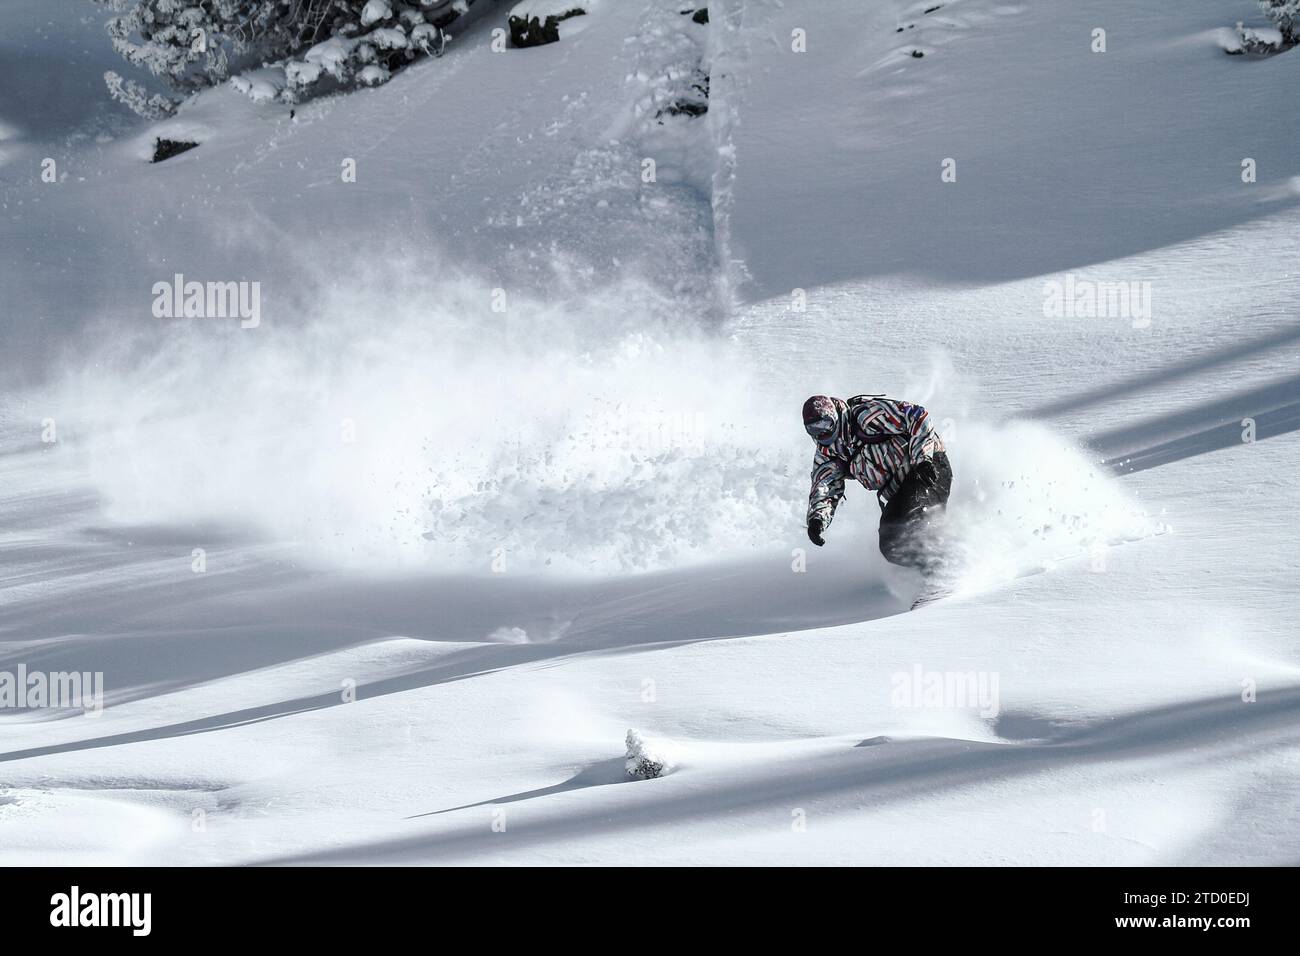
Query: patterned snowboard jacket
880	440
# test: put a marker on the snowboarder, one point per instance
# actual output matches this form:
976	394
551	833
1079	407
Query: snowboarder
892	449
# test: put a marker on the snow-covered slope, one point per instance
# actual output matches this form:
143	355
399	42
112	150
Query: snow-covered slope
512	463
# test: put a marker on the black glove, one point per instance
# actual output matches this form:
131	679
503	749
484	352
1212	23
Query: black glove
815	531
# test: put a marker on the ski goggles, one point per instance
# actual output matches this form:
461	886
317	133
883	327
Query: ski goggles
822	430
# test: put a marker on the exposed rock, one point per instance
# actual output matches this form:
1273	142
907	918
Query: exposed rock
694	102
532	29
167	148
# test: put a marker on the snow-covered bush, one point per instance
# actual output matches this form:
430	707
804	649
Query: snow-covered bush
1286	14
1260	41
262	85
367	49
649	757
190	44
137	98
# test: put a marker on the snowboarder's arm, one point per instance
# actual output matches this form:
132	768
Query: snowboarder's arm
924	443
827	488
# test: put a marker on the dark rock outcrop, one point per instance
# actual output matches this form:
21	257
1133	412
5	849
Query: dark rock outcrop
536	31
167	148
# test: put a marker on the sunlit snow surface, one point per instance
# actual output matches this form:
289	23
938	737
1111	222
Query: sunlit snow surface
512	464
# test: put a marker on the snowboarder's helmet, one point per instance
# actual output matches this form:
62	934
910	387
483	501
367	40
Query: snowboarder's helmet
821	419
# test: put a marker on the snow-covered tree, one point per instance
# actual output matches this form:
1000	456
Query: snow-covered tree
192	44
189	44
132	94
1286	14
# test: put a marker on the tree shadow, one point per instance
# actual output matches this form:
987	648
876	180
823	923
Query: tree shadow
208	640
1274	409
1176	371
891	771
603	773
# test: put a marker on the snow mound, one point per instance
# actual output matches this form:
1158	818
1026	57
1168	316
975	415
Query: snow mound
374	11
180	130
331	55
262	85
649	757
541	9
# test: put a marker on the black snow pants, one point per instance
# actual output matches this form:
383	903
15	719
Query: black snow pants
907	519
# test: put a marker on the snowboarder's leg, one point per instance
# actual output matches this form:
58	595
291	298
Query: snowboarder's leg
906	520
